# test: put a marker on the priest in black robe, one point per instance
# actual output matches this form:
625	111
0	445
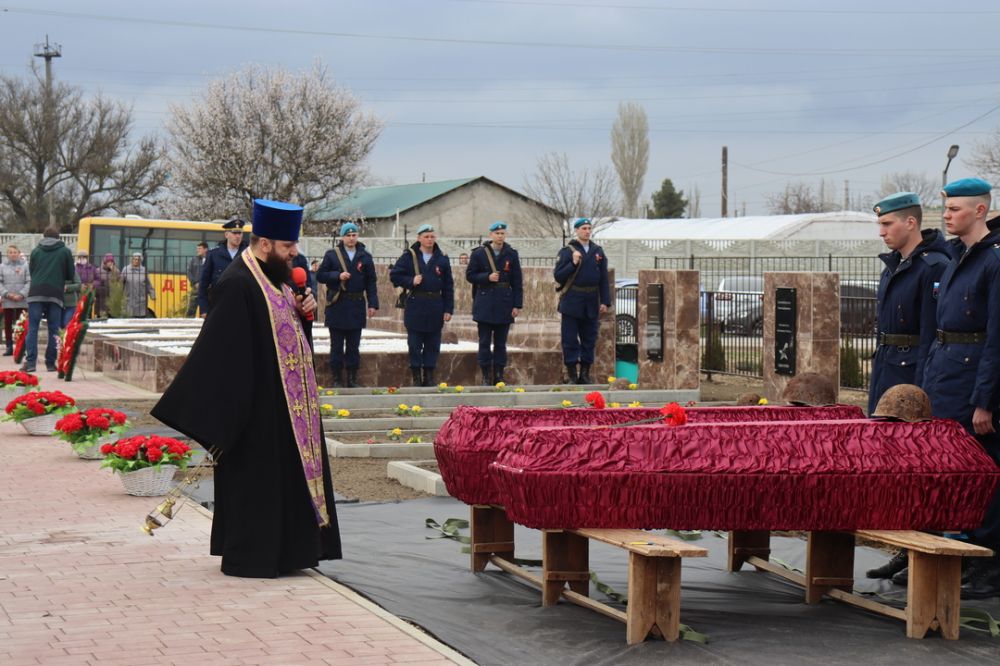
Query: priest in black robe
248	394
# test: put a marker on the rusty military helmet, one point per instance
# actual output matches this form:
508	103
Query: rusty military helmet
904	402
748	399
810	389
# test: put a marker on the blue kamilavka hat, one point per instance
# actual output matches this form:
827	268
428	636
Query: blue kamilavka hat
276	220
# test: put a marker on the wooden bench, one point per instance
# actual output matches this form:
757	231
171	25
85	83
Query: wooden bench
933	596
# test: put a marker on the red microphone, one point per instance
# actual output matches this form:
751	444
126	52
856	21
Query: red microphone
299	278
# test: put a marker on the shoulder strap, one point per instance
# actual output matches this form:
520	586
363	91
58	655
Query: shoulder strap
333	297
932	258
563	288
416	266
489	257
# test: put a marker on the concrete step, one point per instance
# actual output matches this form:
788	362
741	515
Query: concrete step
437	401
375	425
433	390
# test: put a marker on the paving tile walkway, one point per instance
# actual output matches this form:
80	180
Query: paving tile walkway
81	584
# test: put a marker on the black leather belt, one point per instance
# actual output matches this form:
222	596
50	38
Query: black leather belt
961	337
495	285
586	290
354	295
898	340
426	294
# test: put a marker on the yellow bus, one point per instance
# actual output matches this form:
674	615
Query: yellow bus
166	247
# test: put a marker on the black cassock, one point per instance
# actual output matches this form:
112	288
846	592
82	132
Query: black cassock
228	396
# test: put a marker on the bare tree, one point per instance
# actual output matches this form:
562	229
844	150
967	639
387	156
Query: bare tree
268	133
585	193
910	181
70	154
630	153
694	203
798	198
985	159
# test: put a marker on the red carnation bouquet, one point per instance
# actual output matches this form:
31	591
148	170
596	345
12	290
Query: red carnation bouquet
83	429
673	414
142	451
38	403
15	378
595	399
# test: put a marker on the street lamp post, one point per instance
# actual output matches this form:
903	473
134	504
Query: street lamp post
952	152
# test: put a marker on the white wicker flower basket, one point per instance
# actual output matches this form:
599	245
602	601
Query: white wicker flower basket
149	482
9	391
41	425
94	452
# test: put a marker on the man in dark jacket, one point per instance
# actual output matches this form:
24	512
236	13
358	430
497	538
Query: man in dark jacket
194	267
348	271
582	274
494	269
218	260
426	272
50	267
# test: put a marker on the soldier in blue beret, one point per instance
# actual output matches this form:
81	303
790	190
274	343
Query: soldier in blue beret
497	298
218	259
582	275
348	271
962	373
424	271
907	308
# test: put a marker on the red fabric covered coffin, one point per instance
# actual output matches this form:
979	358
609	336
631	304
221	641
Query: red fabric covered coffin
819	475
471	438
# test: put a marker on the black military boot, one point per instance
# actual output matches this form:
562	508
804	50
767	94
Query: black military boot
497	374
352	378
486	375
902	577
337	381
570	373
418	379
428	377
890	568
584	374
984	579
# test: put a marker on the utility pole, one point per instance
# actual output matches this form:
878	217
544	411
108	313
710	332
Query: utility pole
847	194
725	181
49	51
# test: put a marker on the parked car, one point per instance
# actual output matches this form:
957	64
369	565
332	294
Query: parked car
858	311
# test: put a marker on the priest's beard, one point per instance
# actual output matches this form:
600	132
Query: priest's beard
276	269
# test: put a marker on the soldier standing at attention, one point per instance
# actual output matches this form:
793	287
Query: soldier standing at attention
582	273
962	374
425	272
907	309
218	260
348	272
497	298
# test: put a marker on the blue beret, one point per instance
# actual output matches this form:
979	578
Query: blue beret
895	202
276	220
496	226
967	187
580	221
348	228
424	228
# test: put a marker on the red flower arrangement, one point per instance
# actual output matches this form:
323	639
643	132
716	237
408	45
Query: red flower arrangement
595	399
20	334
673	414
83	429
17	378
38	403
142	451
71	342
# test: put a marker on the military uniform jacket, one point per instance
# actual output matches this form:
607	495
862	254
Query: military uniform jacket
492	302
433	297
349	313
590	289
217	260
959	377
907	305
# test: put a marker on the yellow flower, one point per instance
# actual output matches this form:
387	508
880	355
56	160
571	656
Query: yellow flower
416	409
343	413
762	401
327	408
633	387
397	431
501	384
402	406
611	379
566	403
616	404
329	391
635	403
443	385
459	388
519	390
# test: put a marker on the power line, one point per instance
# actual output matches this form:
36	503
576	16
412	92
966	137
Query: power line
730	10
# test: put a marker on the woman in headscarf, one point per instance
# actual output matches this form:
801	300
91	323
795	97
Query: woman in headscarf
108	273
137	287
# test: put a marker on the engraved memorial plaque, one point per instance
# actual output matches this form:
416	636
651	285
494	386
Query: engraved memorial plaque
785	313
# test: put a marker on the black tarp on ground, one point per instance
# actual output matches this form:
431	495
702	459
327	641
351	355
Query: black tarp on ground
750	618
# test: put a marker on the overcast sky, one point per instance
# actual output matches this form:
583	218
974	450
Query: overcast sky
797	91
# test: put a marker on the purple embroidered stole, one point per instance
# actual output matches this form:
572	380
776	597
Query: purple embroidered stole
298	380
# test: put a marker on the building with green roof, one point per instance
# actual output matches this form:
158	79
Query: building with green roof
462	208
